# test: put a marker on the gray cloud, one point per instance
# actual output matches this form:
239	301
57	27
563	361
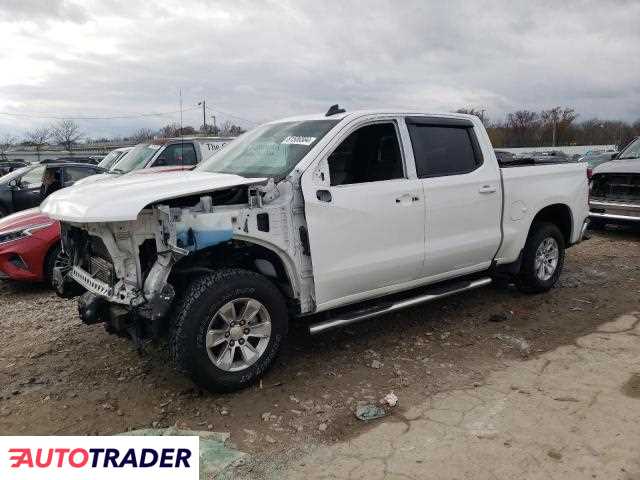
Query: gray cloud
39	10
263	61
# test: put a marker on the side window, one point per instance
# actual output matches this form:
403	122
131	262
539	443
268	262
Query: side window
443	150
73	174
177	154
370	154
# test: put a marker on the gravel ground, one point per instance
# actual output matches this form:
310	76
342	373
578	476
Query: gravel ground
58	376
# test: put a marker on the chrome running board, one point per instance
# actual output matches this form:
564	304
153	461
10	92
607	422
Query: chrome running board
434	294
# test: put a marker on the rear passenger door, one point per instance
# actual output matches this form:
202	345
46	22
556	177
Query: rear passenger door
462	195
365	216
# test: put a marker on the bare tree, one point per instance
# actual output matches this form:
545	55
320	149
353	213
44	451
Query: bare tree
230	130
6	142
170	130
559	120
38	138
524	125
478	112
143	135
209	130
66	133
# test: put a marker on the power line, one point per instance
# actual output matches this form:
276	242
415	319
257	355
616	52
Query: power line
54	116
231	115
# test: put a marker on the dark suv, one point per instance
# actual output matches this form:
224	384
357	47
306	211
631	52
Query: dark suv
21	189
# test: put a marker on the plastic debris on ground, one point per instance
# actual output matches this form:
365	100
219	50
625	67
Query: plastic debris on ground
215	456
370	412
390	399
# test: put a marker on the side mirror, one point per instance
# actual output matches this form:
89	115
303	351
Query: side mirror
615	155
160	162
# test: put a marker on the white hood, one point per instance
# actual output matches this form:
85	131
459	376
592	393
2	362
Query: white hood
122	200
619	166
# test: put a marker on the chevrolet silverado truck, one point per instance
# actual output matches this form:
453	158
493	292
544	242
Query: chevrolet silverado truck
330	218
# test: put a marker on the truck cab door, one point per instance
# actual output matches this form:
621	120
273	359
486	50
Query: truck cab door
463	195
365	216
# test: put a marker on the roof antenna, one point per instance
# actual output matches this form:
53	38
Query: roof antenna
334	110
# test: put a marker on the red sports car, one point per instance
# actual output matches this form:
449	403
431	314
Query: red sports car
29	246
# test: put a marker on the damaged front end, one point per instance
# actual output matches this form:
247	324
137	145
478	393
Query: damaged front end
124	268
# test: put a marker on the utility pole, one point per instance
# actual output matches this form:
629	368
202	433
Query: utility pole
215	128
204	115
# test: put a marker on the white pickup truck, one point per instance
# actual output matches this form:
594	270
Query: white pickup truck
336	217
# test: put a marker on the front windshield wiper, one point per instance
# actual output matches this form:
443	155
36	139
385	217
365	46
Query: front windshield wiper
116	170
628	158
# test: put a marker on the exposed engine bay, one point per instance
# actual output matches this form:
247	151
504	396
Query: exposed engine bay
137	267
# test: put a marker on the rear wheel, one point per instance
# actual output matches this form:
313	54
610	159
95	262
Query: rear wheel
543	258
229	329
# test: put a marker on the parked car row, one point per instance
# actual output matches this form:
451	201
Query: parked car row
30	240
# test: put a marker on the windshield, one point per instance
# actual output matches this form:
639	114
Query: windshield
269	150
632	150
136	158
108	161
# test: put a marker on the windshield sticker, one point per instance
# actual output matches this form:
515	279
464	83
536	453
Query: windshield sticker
267	155
295	140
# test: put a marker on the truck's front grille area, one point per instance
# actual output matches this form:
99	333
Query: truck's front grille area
102	270
87	281
616	186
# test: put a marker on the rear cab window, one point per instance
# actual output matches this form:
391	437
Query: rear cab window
443	146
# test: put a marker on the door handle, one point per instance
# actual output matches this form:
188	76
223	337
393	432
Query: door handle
488	189
407	198
323	195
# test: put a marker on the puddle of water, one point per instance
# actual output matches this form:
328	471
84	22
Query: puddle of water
632	387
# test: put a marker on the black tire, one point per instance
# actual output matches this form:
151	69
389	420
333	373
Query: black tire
528	280
50	262
201	300
3	212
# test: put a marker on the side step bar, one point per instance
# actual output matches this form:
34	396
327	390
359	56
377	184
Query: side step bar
359	315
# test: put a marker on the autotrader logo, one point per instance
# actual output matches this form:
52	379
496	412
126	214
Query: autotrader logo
82	458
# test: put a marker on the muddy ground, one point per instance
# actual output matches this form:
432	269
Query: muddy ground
58	376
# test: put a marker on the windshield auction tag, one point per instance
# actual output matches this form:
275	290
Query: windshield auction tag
295	140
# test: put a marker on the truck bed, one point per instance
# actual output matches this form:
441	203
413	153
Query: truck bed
527	189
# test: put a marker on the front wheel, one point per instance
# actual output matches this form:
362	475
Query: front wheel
229	329
542	259
56	258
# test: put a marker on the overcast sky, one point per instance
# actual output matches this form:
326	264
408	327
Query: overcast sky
264	60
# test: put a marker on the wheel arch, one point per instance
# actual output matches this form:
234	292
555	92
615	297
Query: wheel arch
251	254
558	214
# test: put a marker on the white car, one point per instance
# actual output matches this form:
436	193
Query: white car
113	156
336	217
180	153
